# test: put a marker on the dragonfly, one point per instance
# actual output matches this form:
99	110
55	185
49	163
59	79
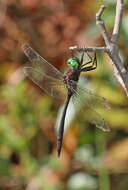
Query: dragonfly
51	80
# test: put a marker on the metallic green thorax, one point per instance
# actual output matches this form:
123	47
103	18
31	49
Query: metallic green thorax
73	63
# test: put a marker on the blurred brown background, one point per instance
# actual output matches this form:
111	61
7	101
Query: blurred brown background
91	159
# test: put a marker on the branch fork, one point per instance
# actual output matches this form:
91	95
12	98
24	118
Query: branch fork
111	44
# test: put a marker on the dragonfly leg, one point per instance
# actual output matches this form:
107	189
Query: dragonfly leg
92	67
82	58
88	61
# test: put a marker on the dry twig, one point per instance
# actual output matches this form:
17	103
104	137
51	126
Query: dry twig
111	44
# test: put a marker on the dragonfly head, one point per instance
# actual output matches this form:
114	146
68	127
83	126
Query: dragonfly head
73	62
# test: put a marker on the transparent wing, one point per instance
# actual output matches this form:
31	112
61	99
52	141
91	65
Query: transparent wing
52	86
40	63
86	100
93	100
45	75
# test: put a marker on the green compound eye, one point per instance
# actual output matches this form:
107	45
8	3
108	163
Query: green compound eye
72	62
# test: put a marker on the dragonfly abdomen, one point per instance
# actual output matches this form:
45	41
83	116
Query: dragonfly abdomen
61	127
